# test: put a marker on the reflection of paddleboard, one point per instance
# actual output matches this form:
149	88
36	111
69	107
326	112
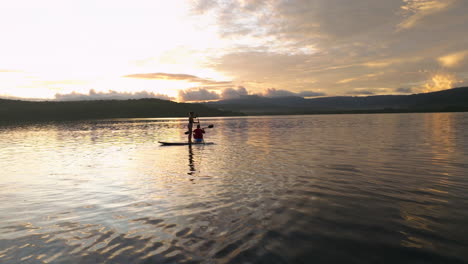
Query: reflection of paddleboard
183	143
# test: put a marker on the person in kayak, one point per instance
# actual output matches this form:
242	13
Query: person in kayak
198	134
192	117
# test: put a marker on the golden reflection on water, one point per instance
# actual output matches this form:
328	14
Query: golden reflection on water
440	127
439	130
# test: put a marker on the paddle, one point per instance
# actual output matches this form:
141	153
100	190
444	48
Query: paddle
210	126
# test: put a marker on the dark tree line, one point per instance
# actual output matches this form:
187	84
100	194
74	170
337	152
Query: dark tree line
15	110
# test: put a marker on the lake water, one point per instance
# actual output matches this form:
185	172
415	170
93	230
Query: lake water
377	188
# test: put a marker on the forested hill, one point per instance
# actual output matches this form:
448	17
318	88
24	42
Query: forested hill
12	110
455	99
443	101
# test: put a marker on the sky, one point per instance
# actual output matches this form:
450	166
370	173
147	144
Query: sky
216	49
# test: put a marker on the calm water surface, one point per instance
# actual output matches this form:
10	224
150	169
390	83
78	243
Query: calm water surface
384	188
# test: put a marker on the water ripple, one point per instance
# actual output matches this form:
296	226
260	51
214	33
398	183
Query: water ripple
290	189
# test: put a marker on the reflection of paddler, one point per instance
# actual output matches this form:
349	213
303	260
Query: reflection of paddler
191	162
192	117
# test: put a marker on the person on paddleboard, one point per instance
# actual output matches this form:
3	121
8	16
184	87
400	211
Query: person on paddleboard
198	134
192	117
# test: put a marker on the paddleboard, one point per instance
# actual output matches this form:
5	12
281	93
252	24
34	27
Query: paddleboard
183	143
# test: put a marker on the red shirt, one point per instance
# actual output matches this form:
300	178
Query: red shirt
198	133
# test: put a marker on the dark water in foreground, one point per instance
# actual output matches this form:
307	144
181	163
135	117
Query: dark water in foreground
293	189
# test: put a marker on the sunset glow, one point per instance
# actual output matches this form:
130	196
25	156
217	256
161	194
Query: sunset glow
439	82
60	47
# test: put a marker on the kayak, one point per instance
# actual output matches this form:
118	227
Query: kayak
183	143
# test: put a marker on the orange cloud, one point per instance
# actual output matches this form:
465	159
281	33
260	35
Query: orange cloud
175	77
416	10
439	82
359	78
453	60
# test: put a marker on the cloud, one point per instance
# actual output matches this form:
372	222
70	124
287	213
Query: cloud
347	80
360	92
334	46
404	90
353	79
110	95
197	94
272	92
163	76
298	21
453	59
438	82
310	45
201	6
176	77
310	94
417	10
258	66
233	93
205	94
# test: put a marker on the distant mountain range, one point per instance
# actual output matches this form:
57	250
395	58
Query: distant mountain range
16	110
452	100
